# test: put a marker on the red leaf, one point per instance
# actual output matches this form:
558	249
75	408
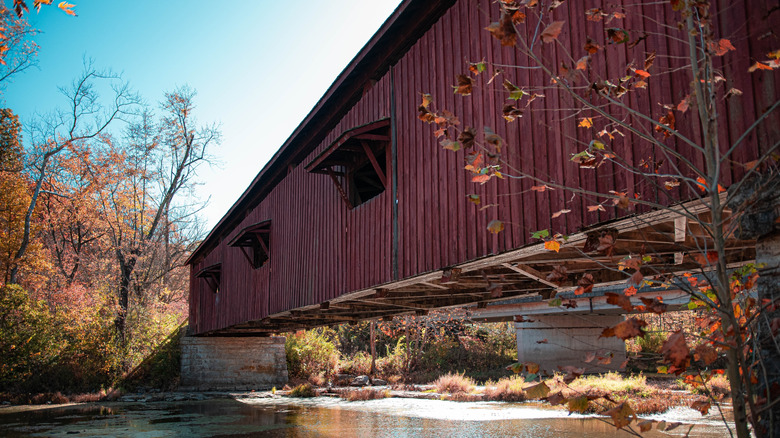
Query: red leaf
620	301
702	406
676	351
465	85
551	32
627	329
654	305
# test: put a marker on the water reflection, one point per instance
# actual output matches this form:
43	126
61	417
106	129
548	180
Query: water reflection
321	417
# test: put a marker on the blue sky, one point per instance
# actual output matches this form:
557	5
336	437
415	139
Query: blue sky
258	66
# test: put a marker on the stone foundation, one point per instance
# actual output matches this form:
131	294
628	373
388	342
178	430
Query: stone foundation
569	338
232	363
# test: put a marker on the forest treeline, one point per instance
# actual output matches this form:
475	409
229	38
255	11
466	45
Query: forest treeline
97	217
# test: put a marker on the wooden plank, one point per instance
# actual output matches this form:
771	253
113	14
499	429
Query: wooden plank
530	273
374	163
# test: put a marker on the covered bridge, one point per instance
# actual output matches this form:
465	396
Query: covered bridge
362	214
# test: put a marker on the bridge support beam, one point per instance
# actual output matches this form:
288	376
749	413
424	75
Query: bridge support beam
562	340
217	363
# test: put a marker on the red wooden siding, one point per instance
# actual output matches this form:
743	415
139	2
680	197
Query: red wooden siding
320	250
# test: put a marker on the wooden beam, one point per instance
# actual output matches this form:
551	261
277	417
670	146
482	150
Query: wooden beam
680	228
530	273
374	162
339	188
435	286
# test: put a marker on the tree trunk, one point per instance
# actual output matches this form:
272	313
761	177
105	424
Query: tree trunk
758	199
373	348
768	367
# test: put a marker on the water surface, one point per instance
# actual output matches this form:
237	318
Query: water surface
326	417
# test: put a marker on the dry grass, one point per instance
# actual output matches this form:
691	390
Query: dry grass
613	383
365	394
718	386
59	398
509	389
453	383
303	390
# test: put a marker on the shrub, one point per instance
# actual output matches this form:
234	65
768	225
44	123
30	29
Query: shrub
453	383
359	364
29	340
303	390
508	389
311	353
365	394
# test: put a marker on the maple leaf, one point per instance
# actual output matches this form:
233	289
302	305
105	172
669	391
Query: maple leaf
465	85
67	8
551	32
532	367
620	301
636	278
622	415
495	226
630	328
676	351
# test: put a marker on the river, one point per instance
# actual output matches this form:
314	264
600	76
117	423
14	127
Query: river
326	417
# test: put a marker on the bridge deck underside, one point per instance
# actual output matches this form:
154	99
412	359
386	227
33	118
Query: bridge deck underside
673	244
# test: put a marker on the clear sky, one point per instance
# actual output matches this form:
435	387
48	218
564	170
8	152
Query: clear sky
258	66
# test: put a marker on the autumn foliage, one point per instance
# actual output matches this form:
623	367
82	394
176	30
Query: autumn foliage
627	157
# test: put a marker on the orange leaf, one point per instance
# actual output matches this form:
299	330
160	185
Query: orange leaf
482	179
702	406
758	66
67	8
630	328
702	184
599	207
541	188
582	63
552	245
495	226
560	212
551	32
642	73
721	47
586	122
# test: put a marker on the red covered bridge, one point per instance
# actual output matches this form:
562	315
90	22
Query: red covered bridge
362	214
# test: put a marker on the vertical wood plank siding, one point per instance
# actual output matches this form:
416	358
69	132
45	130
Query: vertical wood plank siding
321	250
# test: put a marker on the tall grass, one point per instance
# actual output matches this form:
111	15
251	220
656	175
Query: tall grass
453	383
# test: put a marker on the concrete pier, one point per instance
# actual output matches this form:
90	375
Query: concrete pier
561	340
218	363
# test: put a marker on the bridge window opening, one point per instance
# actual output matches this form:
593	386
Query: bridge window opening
211	276
357	162
255	243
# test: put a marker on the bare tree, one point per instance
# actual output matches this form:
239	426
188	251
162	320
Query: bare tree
86	118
